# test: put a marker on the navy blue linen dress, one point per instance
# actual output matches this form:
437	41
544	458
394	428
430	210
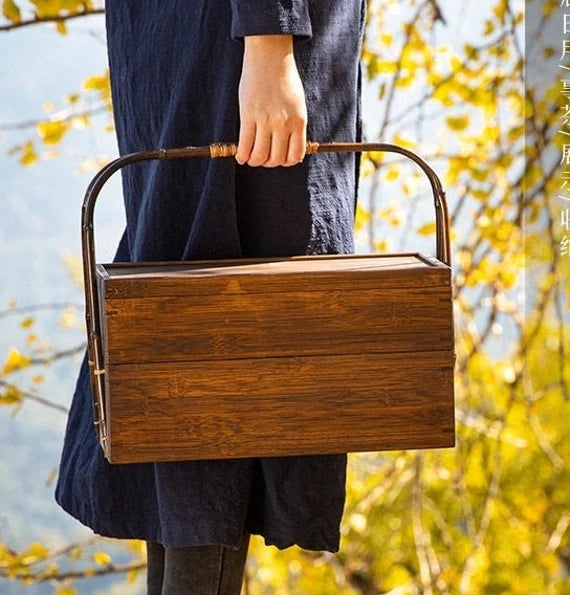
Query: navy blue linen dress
175	67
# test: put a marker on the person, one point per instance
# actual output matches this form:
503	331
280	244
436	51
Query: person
270	74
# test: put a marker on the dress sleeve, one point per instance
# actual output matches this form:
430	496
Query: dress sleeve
267	17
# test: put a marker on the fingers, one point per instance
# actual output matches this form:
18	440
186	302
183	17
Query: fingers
246	140
297	148
261	148
272	147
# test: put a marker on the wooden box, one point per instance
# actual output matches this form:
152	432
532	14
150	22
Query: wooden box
283	356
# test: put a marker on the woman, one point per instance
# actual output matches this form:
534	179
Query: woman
271	73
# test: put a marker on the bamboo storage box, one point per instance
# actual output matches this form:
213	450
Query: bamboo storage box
270	356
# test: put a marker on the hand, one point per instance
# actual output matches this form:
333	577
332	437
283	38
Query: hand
273	113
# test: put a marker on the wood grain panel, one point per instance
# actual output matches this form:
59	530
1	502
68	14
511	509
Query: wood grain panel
280	406
278	324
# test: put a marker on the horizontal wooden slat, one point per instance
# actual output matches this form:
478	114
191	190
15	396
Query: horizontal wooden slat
280	406
278	324
316	273
274	265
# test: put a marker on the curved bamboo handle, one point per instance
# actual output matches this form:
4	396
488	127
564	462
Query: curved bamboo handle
214	150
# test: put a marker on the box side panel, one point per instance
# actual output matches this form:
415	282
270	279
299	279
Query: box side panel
230	326
281	406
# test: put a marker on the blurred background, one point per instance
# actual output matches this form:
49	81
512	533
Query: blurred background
444	78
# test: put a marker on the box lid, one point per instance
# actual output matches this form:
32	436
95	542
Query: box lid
252	275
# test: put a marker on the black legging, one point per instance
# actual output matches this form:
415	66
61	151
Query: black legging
202	570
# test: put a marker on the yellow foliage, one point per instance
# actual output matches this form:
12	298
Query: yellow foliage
33	553
405	80
15	361
548	7
102	558
382	246
367	167
27	322
11	11
362	217
52	132
137	546
457	122
96	83
11	396
407	143
81	122
393	172
383	67
398	575
74	268
28	154
426	230
69	318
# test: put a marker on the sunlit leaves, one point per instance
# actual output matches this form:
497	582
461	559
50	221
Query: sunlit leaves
99	84
101	558
457	123
54	129
10	395
426	230
26	153
51	133
11	11
15	361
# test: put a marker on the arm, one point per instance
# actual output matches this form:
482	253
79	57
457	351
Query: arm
273	114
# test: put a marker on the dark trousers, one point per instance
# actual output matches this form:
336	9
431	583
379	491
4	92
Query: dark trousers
202	570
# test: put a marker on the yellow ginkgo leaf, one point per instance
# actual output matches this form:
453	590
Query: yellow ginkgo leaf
407	143
11	396
96	83
426	230
52	132
15	361
37	550
27	322
11	11
362	217
392	173
457	122
28	154
101	558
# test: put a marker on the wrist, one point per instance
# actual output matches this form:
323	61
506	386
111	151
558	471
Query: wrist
278	43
